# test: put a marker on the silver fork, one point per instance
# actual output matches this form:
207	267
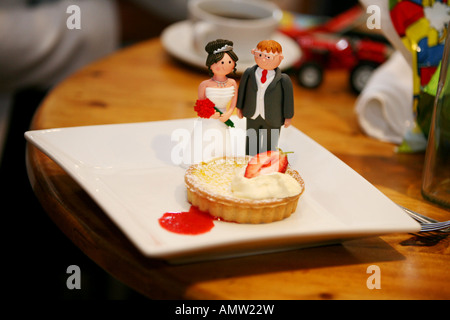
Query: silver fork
438	226
428	224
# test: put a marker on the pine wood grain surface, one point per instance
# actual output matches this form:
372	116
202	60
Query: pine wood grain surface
142	83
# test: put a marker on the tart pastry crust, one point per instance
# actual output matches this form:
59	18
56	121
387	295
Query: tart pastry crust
209	188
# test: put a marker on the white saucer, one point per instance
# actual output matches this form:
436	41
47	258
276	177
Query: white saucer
177	40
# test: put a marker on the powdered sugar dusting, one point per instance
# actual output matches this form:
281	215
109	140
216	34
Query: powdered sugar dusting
216	175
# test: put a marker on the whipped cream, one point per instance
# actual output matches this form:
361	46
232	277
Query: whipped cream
274	185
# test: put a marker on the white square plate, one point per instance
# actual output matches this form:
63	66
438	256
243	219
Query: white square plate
128	170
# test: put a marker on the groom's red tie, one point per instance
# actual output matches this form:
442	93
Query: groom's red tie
264	76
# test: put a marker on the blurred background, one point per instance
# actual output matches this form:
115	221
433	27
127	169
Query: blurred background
37	52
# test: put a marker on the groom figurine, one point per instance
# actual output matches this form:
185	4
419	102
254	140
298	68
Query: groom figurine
265	98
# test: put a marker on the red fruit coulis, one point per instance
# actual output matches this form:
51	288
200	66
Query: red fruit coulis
190	222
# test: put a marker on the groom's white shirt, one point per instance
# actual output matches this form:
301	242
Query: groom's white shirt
259	110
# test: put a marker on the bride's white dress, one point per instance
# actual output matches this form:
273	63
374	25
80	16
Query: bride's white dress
211	137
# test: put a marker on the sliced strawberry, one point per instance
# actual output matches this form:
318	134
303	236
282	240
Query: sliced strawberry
267	162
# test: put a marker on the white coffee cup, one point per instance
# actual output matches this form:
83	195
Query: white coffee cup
245	22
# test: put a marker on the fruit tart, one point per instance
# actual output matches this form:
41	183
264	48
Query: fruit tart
259	189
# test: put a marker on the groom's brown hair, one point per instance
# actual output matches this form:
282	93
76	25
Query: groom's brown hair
269	46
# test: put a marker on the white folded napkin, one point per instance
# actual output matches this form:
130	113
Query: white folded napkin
385	106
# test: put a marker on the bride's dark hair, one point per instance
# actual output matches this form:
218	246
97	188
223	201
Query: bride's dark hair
216	57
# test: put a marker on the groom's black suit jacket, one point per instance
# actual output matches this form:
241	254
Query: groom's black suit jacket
278	98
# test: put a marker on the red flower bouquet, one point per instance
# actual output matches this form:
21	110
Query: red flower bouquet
205	108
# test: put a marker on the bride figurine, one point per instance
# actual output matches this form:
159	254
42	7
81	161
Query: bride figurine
216	102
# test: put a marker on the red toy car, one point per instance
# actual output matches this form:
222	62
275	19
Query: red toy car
343	42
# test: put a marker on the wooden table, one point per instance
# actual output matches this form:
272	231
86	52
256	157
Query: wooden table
142	83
